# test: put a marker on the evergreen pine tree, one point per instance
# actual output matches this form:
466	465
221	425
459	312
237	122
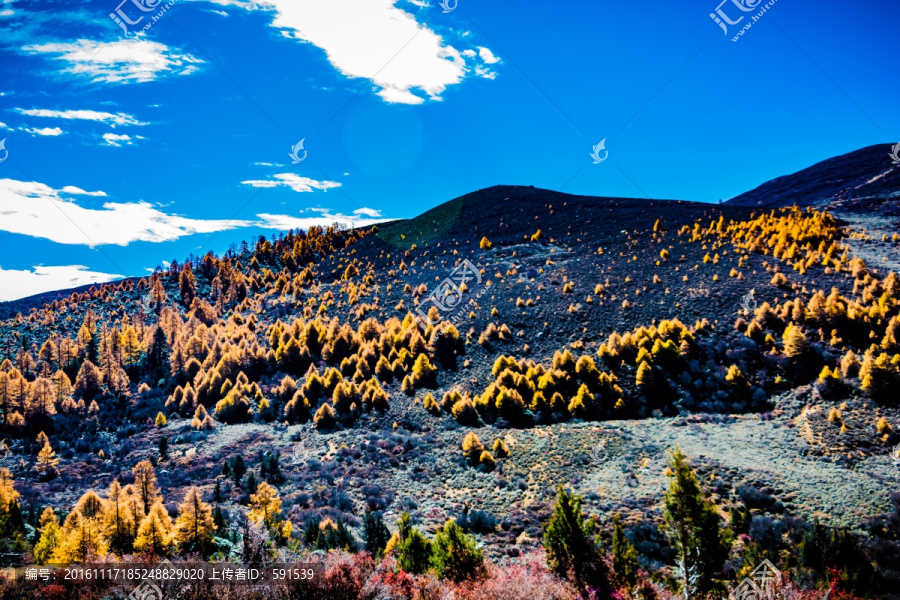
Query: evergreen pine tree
625	563
375	533
693	526
157	362
569	544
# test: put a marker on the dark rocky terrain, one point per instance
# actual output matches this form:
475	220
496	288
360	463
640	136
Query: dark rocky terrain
707	294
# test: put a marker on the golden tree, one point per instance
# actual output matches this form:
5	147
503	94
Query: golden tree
265	505
155	534
119	527
88	381
51	536
46	461
82	537
145	486
472	447
62	386
194	526
41	399
8	494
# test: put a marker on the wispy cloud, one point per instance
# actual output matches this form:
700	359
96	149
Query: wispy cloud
117	140
369	212
77	191
294	182
15	284
83	115
38	210
363	217
44	131
122	61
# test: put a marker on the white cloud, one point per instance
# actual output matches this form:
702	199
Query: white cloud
369	212
485	73
84	115
129	60
15	284
46	131
2	124
487	56
407	61
324	217
117	140
37	210
293	181
77	191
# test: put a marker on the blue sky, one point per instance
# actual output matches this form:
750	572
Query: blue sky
129	149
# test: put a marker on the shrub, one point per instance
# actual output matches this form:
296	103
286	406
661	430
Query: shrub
834	416
509	404
485	244
160	420
449	399
234	407
644	377
472	448
478	521
413	549
431	405
455	555
324	417
423	373
501	450
486	461
407	386
796	346
464	412
880	377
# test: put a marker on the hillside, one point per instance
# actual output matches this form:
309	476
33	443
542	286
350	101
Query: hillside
864	174
463	364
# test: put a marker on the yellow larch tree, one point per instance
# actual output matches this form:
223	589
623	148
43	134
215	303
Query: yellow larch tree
194	526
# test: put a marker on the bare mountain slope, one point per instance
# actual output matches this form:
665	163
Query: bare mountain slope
864	173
